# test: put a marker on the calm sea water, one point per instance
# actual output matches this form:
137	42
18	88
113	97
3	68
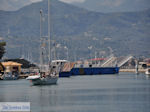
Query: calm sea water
125	92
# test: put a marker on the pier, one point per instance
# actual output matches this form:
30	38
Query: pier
132	70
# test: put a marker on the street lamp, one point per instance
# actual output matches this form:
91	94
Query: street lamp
57	46
67	52
90	47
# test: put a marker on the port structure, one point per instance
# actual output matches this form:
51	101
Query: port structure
113	61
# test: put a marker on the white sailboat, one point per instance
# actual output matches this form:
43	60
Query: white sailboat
50	77
38	80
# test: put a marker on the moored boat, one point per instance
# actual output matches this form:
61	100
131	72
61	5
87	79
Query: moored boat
10	76
147	72
49	77
73	69
42	80
59	66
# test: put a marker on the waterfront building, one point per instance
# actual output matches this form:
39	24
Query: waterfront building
11	66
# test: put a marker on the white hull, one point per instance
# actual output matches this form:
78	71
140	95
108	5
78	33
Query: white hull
147	72
37	80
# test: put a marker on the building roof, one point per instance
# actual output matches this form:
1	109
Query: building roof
11	63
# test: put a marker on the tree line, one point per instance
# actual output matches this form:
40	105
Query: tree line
2	49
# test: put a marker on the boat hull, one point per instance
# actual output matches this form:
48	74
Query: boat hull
36	80
147	72
95	71
90	71
64	74
44	81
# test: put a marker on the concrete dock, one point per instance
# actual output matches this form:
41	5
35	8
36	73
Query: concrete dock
132	70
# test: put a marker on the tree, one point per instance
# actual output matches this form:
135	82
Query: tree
2	49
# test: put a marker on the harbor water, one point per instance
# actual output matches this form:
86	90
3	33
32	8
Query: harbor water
124	92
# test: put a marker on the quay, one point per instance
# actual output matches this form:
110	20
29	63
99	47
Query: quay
23	76
132	70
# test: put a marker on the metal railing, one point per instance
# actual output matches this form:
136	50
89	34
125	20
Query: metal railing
125	60
109	61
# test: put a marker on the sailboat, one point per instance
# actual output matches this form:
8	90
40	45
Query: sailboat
50	77
43	80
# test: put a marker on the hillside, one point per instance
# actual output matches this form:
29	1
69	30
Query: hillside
113	5
78	29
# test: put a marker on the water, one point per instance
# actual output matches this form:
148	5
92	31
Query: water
125	92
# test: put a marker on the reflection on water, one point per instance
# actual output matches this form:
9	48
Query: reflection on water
103	93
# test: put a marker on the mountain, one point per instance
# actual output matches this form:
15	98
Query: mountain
92	5
84	32
12	5
112	5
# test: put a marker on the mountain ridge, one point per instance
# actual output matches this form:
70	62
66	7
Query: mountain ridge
14	5
77	28
114	5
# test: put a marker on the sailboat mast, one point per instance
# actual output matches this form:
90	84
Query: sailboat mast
41	62
49	48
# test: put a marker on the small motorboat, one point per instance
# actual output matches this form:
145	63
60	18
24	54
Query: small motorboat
10	76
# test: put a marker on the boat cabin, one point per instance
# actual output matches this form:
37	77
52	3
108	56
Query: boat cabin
58	62
57	65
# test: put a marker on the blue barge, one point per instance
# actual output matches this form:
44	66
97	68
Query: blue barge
67	69
95	71
90	71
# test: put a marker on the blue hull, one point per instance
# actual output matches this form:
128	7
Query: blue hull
64	74
90	71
